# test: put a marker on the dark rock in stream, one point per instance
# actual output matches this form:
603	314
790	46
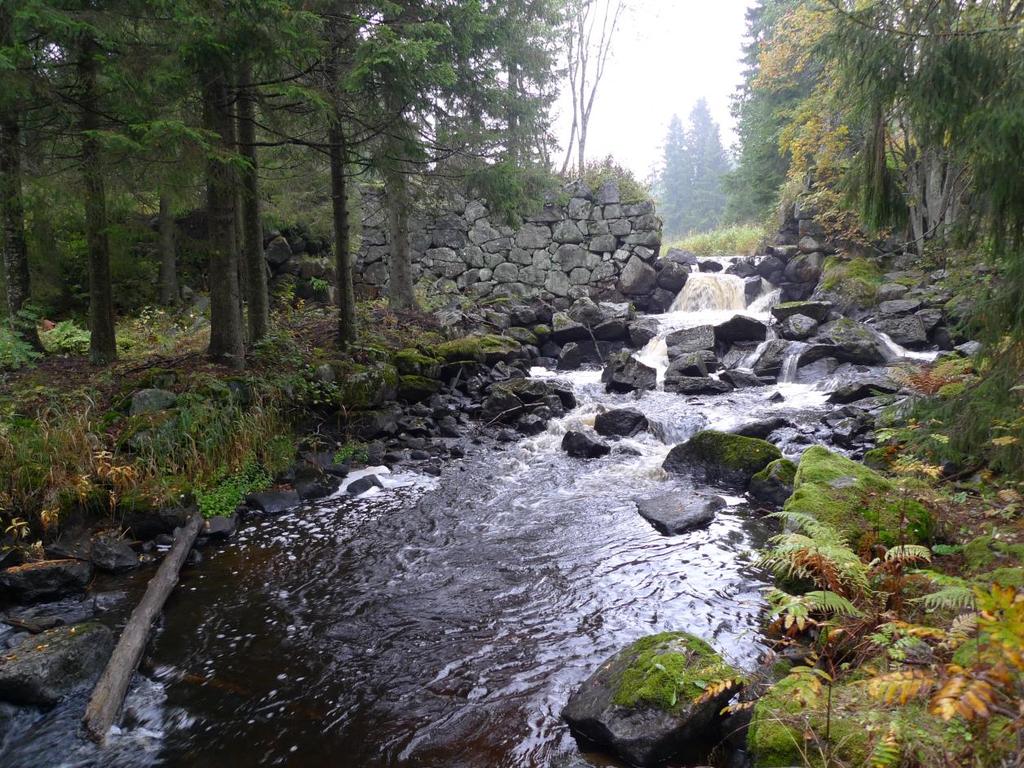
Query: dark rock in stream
317	487
220	527
581	446
147	524
363	484
696	385
622	422
46	667
762	428
742	379
731	460
865	385
608	711
113	555
273	502
675	513
740	328
44	580
774	484
624	374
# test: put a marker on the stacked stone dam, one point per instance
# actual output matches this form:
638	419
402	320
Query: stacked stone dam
594	244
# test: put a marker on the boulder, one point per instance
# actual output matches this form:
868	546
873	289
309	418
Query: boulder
44	580
673	276
113	555
582	446
564	329
816	310
805	268
847	341
621	422
863	386
637	278
677	256
220	527
798	327
891	292
644	704
641	331
146	523
688	365
709	266
752	288
899	307
690	340
908	331
624	373
675	513
762	427
151	401
361	485
46	667
769	361
742	379
740	328
969	348
696	385
774	484
278	252
317	487
273	502
731	460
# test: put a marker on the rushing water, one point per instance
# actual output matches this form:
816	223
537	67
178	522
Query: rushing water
441	622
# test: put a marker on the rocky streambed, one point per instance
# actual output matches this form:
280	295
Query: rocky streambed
443	611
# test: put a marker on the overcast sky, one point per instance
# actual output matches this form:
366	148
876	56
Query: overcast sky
668	54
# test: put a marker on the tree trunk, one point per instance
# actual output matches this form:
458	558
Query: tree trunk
110	690
582	147
252	230
226	341
169	292
401	294
102	344
342	257
12	219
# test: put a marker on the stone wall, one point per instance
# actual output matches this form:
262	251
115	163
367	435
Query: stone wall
592	245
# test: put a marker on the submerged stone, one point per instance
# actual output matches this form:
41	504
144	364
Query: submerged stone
675	513
46	667
44	580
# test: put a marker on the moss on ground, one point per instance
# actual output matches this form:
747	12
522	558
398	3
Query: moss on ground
852	281
669	671
416	389
780	470
412	362
364	386
855	499
486	348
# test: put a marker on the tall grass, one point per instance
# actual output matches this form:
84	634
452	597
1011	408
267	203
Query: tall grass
736	240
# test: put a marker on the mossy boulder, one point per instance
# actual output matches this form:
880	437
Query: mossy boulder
416	389
412	362
774	483
850	283
720	457
781	724
486	348
642	704
847	341
364	386
46	667
855	500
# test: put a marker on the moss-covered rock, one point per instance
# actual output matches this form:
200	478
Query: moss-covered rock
542	332
642	704
781	724
774	483
850	283
416	389
722	457
412	362
486	348
364	386
855	499
878	459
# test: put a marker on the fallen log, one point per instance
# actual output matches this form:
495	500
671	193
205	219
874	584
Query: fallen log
109	693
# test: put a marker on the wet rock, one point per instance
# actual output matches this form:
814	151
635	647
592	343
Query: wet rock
273	502
147	524
361	485
969	348
891	291
816	310
624	373
564	329
673	276
640	704
531	424
774	484
769	362
572	356
805	268
641	331
690	340
742	268
622	422
677	256
220	527
637	278
719	457
582	446
847	341
691	364
899	307
696	385
151	401
740	328
742	379
46	667
586	312
317	487
863	386
752	288
798	327
709	266
71	545
44	580
762	428
113	555
675	513
906	331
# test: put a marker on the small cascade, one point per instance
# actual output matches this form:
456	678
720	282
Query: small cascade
791	363
655	355
748	362
896	352
709	291
769	298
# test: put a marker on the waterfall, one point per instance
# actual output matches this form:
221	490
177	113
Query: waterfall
896	352
790	363
655	355
769	298
710	291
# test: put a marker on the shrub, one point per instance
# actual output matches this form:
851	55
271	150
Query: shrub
66	337
740	239
631	189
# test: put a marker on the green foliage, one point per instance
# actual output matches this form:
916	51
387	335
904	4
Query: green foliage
351	452
15	352
224	496
725	241
511	191
631	189
66	337
851	282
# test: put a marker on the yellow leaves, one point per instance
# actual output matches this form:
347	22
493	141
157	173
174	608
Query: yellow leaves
901	686
1004	441
970	697
910	466
717	688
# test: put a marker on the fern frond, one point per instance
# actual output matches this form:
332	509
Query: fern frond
812	526
970	697
887	751
908	553
953	597
830	564
831	603
717	688
901	686
964	627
